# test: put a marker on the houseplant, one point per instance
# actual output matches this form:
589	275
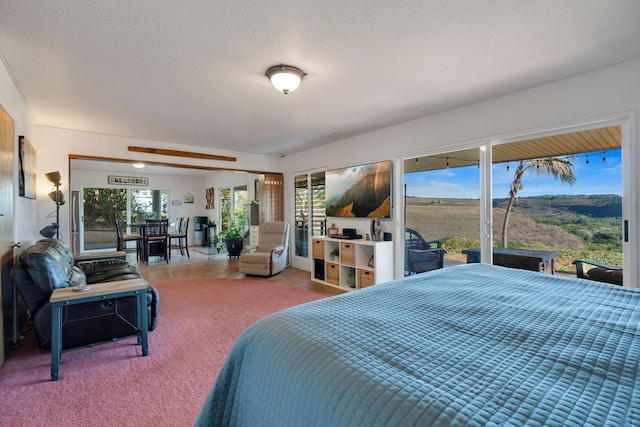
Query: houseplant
234	239
218	242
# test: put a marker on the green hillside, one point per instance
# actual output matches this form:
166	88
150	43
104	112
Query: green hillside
576	226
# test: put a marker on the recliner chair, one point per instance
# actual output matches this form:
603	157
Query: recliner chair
271	255
48	265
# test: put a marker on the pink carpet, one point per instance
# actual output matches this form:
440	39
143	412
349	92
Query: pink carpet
112	385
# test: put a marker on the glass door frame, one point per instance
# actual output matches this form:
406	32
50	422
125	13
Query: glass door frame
128	197
300	262
630	179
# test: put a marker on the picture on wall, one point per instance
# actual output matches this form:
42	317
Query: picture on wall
359	191
27	160
210	198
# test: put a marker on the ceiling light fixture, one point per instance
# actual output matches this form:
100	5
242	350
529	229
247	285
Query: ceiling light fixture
285	78
138	165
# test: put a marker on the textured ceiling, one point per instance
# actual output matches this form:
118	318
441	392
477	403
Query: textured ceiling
192	72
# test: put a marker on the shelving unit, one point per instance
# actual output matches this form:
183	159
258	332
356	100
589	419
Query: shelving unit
360	263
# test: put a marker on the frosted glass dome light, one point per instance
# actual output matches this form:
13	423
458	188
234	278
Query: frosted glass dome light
285	78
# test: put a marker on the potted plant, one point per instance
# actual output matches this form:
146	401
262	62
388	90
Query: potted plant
218	242
334	254
234	239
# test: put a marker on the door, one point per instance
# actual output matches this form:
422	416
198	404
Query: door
310	215
100	207
6	231
565	193
443	211
301	229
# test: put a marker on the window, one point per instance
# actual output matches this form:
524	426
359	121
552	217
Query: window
560	193
309	210
102	206
232	201
318	213
301	216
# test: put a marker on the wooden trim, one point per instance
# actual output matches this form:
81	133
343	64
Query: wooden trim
147	162
178	153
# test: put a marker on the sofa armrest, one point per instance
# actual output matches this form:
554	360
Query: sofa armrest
278	250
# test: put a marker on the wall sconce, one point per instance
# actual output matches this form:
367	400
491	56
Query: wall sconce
58	198
285	78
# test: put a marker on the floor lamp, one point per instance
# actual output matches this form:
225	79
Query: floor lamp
58	197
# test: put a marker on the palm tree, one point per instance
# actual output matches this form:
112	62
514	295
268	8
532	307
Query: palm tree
557	168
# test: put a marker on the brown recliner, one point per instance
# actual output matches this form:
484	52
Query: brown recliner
271	255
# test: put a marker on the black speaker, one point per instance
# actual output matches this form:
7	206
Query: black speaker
386	237
318	269
349	231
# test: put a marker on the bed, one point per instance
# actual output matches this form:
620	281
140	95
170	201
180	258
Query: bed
471	345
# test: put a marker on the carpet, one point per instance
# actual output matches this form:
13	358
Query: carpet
112	384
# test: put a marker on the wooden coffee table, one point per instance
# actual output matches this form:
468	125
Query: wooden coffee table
100	291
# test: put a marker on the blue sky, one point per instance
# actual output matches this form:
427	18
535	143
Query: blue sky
596	177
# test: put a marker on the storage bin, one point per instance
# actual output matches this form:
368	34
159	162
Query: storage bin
318	249
365	278
333	273
347	254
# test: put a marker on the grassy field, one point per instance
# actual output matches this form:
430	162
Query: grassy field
456	223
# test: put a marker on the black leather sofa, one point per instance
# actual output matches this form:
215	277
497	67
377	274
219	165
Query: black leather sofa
48	265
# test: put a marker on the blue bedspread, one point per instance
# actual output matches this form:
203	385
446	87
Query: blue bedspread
472	345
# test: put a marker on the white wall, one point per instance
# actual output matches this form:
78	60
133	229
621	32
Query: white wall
177	186
607	93
24	213
614	91
55	145
219	180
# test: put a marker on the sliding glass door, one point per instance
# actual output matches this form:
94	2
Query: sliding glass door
559	195
442	209
565	201
100	207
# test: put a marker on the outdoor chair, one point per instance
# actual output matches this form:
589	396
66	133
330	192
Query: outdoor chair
421	255
598	272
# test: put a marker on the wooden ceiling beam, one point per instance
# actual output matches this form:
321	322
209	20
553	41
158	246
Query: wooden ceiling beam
179	153
172	165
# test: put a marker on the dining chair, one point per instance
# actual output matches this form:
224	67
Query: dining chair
156	238
124	238
178	239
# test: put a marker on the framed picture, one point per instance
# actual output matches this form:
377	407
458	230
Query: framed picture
127	180
27	160
371	261
362	191
210	198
